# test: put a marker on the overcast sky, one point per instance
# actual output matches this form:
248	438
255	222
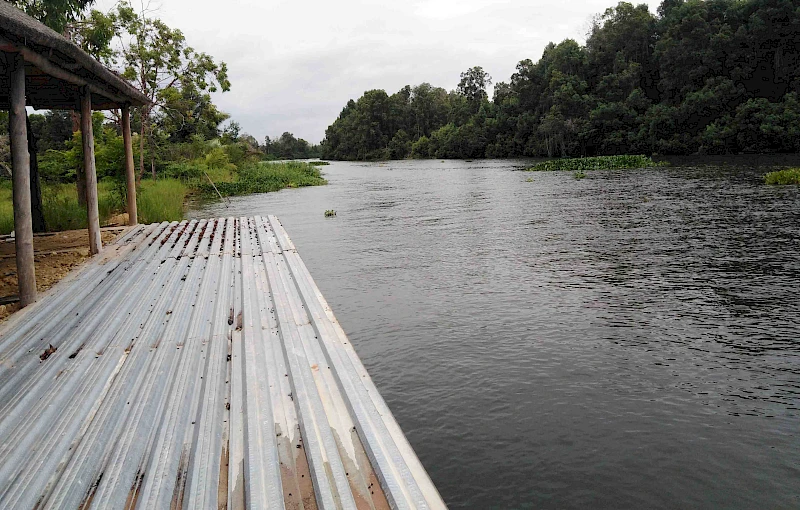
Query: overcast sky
293	64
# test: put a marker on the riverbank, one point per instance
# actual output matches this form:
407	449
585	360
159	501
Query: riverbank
162	199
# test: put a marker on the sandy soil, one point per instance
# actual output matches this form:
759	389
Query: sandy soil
55	255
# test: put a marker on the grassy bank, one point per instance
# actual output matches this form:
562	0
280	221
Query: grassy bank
788	176
596	163
162	199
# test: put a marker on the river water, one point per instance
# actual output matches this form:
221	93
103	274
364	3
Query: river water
629	340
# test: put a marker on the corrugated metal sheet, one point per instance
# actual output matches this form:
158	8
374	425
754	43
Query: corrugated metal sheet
195	365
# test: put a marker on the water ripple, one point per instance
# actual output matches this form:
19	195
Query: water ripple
629	340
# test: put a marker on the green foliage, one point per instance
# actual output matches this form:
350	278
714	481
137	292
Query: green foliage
218	158
329	213
266	177
473	86
160	200
177	79
56	14
53	130
288	147
421	149
60	205
788	176
6	207
178	137
62	210
319	163
400	146
700	77
580	174
595	163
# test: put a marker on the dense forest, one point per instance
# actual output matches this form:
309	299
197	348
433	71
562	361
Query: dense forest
698	76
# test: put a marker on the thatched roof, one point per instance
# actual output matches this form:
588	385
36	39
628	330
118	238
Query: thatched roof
56	68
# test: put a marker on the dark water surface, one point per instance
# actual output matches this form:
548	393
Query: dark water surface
630	340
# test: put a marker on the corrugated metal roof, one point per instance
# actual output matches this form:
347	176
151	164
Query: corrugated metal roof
195	365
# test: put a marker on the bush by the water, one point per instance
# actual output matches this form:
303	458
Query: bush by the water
265	177
595	163
788	176
319	163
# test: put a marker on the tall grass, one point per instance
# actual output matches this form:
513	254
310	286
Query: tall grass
157	201
160	200
787	176
61	208
266	177
6	208
596	163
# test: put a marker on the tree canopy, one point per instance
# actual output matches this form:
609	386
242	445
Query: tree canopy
56	14
698	76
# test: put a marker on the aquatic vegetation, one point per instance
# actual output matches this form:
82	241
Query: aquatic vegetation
579	175
265	177
319	163
529	179
787	176
596	163
329	213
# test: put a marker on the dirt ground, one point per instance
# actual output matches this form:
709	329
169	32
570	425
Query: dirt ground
55	255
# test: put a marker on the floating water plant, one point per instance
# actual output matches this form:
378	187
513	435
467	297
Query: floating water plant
787	176
596	163
265	177
579	175
529	179
319	163
329	213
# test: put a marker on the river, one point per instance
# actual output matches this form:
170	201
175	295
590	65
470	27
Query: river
628	340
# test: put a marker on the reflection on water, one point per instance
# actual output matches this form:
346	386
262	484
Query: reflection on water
629	340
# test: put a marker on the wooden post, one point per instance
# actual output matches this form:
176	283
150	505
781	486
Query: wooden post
93	215
37	210
130	174
20	160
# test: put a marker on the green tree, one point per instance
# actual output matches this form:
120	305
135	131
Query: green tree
473	85
160	63
56	14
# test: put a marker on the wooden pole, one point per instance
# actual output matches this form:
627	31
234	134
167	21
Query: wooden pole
20	159
80	181
37	210
93	215
130	174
